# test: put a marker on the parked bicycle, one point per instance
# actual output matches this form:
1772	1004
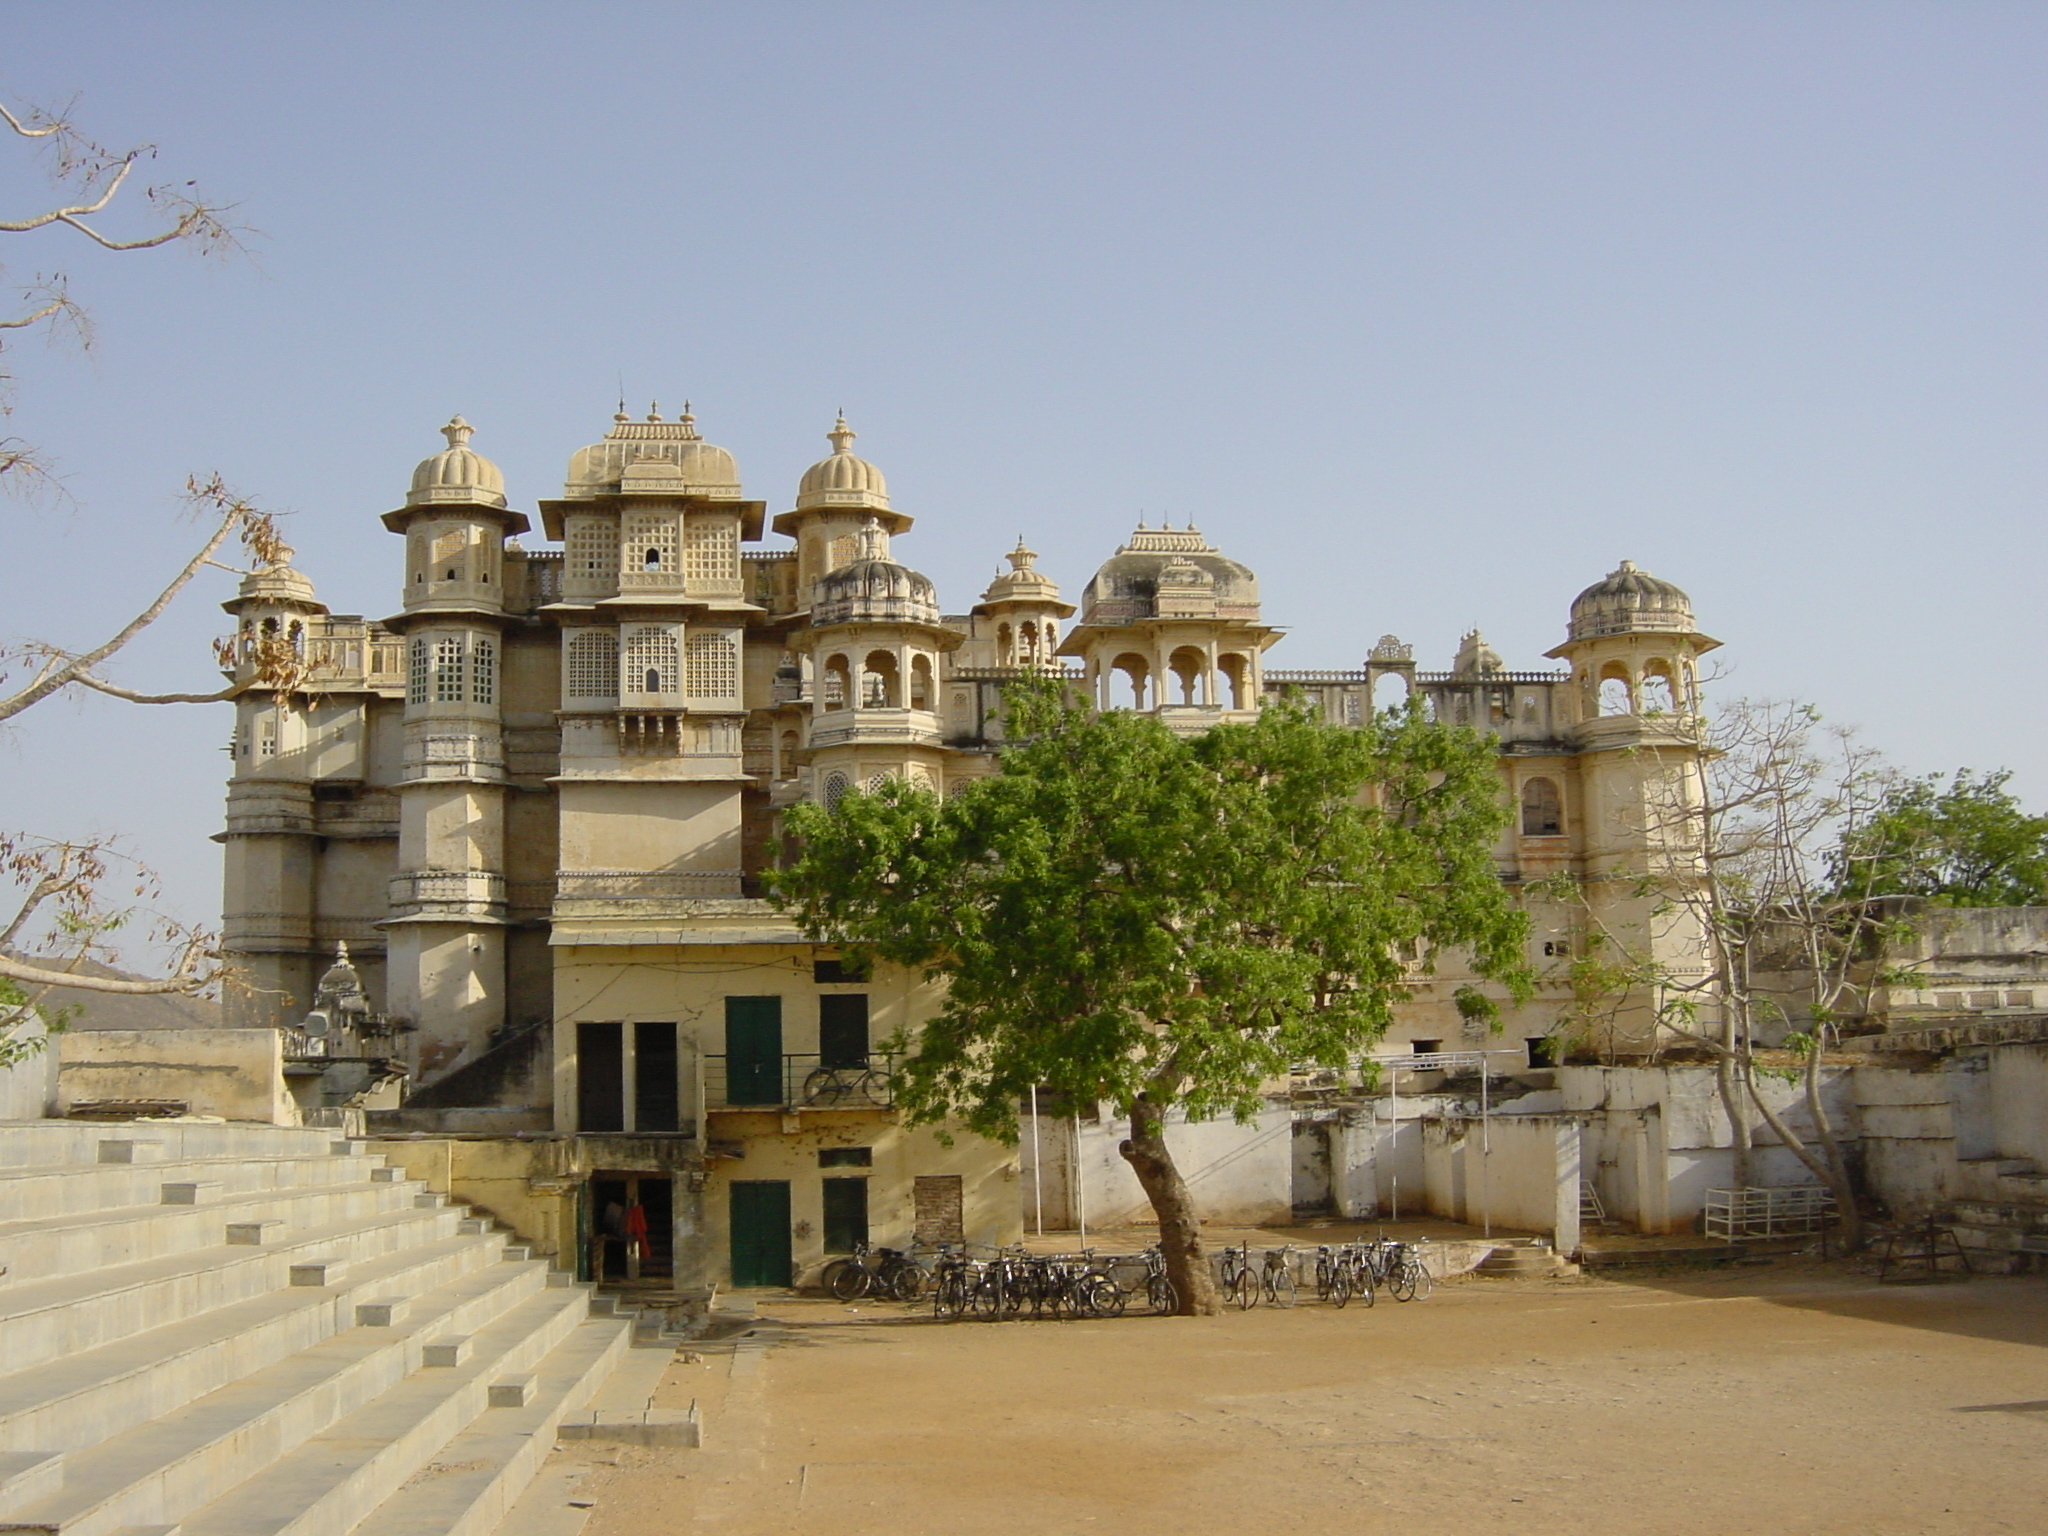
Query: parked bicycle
1240	1283
1276	1277
889	1272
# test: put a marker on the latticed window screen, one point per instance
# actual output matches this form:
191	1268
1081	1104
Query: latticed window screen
419	672
651	534
483	671
836	786
448	679
593	664
842	552
711	552
652	661
451	557
593	551
713	666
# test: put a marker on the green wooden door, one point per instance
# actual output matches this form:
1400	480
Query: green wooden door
760	1232
753	1052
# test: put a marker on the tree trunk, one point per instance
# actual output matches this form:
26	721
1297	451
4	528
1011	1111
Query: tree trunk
1831	1144
1831	1170
1180	1227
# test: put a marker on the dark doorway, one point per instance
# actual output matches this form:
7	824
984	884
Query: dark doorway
846	1214
655	1099
843	1029
600	1088
760	1232
753	1053
615	1231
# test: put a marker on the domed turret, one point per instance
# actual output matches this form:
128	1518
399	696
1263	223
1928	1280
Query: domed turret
842	480
871	588
277	585
1128	585
457	473
653	455
1630	601
1476	658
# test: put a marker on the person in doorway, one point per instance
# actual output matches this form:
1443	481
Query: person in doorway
636	1238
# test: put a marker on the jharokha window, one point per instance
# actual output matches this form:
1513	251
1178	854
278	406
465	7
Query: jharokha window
1542	809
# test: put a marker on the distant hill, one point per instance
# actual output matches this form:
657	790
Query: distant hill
114	1010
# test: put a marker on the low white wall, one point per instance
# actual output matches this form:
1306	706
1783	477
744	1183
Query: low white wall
28	1089
1239	1175
237	1074
1519	1172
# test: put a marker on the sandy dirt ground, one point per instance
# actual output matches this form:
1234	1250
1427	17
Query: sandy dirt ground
1789	1399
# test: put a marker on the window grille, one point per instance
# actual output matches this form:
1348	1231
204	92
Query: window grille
419	671
593	664
651	542
836	786
711	552
448	679
451	557
266	739
483	672
653	660
841	553
593	551
714	666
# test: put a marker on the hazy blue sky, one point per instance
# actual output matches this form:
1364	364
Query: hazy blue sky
1429	313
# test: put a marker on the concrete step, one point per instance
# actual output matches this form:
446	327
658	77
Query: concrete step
96	1240
41	1143
75	1403
487	1465
332	1480
40	1193
161	1470
55	1318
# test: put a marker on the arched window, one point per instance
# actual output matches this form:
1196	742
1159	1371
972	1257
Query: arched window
1659	696
1187	665
836	786
1389	691
713	666
1617	690
1238	673
653	660
1542	809
1136	672
298	633
920	682
881	686
1006	650
838	692
593	670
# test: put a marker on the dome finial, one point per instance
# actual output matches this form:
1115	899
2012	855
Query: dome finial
654	410
841	436
1020	558
458	432
689	422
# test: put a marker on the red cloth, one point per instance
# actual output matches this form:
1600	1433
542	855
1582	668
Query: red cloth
636	1226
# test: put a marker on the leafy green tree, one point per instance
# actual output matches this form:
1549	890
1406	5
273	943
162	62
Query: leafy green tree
1160	922
1966	843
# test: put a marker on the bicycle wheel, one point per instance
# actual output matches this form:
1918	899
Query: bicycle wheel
1160	1293
1402	1281
849	1281
1244	1290
1362	1287
824	1086
949	1296
1339	1290
1106	1296
909	1281
1279	1287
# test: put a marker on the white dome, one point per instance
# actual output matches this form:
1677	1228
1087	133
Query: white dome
457	473
842	480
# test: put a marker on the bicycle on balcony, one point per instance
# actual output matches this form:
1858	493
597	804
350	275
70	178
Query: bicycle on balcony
853	1086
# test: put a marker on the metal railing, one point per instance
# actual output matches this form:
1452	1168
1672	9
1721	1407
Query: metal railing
1792	1212
803	1081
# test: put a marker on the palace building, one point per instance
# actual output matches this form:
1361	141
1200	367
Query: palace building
536	802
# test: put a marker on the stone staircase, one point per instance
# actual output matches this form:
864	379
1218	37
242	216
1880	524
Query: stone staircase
1525	1256
237	1330
2000	1212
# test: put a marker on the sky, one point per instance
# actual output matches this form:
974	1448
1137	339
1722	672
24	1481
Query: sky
1430	313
